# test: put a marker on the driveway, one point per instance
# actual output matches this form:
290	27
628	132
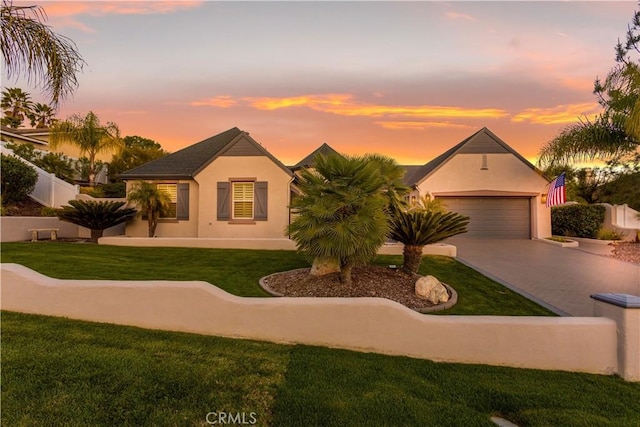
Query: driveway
561	279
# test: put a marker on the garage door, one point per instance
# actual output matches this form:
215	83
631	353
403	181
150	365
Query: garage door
502	217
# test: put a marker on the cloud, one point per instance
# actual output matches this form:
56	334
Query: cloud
400	125
457	16
222	101
559	114
345	105
63	14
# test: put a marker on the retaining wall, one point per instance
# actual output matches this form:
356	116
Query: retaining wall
15	228
366	324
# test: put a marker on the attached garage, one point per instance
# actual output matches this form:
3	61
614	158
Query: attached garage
497	217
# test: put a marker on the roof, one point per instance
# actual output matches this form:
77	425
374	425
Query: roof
188	162
309	161
484	141
25	134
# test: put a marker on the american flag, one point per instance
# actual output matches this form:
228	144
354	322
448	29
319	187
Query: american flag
557	193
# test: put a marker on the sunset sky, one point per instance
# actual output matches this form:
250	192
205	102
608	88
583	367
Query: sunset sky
405	79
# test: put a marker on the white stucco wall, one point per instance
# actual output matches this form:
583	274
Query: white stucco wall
462	175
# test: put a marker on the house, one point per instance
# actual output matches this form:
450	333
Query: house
226	186
229	186
484	178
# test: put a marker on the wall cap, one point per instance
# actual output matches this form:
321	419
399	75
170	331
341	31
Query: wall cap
620	300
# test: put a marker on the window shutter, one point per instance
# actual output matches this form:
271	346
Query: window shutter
223	201
260	201
183	201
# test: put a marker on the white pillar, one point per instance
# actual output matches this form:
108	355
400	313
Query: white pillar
624	309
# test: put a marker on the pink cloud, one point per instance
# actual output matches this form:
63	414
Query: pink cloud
222	101
457	16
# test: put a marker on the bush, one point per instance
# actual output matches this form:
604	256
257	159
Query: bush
114	190
96	216
95	192
18	179
577	220
604	234
48	211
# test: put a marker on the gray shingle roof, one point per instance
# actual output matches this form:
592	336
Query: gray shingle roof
186	163
308	161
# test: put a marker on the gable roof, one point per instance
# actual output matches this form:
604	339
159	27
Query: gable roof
309	161
188	162
482	142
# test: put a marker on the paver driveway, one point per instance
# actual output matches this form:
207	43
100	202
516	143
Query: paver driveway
561	278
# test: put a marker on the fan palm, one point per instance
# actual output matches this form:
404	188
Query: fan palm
89	135
341	213
96	216
153	203
16	105
41	116
417	228
29	45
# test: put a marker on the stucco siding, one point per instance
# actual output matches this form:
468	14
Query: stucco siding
258	168
168	227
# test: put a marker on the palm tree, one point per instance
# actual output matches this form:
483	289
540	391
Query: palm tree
88	135
96	216
28	45
153	203
394	187
416	228
341	213
42	116
16	105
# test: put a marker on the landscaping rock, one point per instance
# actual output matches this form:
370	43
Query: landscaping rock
431	289
324	265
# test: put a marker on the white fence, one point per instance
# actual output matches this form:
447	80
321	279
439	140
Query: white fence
49	190
582	344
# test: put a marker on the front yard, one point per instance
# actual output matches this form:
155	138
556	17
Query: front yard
238	271
59	372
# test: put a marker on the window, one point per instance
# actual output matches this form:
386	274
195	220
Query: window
172	191
242	200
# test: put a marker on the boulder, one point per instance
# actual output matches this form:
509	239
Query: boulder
325	265
430	288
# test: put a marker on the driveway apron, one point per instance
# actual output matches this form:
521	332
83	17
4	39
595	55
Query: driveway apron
561	279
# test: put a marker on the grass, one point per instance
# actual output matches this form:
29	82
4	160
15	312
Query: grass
238	271
72	373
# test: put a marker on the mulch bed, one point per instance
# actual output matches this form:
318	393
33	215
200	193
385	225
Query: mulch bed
26	207
368	281
627	251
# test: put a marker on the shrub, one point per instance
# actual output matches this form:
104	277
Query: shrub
577	220
18	179
48	211
114	190
96	216
92	191
605	234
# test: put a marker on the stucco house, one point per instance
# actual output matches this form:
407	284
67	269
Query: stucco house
484	178
226	186
229	186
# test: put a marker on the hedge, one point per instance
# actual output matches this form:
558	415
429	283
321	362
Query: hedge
18	179
577	220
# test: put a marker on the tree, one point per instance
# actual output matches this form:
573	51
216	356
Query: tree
614	134
96	216
423	225
89	135
18	179
341	213
42	116
136	152
29	47
153	203
16	105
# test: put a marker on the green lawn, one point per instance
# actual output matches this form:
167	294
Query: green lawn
238	271
59	372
